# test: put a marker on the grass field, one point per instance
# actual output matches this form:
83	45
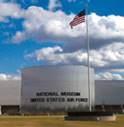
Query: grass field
54	121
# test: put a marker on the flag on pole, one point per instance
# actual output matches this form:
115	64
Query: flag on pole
79	18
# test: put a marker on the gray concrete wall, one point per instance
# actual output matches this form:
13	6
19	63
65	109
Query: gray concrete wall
10	92
109	92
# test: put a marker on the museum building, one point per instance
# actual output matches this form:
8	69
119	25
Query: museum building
65	88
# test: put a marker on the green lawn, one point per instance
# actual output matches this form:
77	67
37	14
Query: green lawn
54	121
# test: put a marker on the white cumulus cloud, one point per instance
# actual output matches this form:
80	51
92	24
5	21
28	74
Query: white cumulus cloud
53	4
4	76
109	57
43	25
109	76
10	10
106	34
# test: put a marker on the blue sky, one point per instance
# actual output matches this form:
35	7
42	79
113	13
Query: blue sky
37	32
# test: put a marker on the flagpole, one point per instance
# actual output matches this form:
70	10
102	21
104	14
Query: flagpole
88	55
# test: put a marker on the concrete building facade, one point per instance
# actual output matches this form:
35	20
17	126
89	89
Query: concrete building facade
39	83
10	96
109	95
